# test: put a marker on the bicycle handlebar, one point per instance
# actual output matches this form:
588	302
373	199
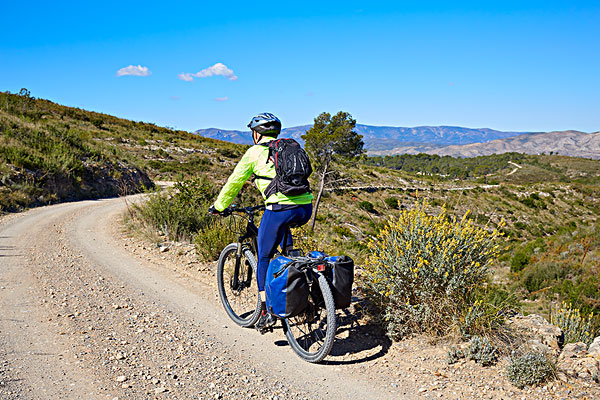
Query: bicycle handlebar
246	210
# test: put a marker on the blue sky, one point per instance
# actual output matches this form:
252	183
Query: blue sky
507	65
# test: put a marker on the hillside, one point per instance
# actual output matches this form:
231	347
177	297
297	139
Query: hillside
570	143
51	153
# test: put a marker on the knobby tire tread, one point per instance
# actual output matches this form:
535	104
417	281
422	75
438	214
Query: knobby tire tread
323	351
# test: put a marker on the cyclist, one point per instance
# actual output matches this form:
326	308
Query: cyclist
281	210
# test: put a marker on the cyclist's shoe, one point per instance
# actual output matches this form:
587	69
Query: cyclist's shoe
265	322
294	253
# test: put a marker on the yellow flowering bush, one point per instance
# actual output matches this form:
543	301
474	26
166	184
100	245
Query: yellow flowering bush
575	326
422	270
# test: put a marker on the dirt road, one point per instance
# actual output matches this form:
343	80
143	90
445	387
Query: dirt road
89	313
81	318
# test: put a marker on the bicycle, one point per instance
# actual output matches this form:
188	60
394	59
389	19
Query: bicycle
311	333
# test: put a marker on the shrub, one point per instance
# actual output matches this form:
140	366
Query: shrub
180	215
531	368
453	355
528	201
520	225
542	275
342	231
575	326
489	306
212	239
367	206
391	202
523	255
422	271
519	261
482	351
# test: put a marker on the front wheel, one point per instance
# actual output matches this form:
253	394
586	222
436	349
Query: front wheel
237	285
311	333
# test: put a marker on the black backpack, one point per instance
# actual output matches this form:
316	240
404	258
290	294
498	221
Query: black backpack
292	168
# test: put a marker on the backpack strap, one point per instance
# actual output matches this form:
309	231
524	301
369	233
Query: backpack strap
255	177
267	145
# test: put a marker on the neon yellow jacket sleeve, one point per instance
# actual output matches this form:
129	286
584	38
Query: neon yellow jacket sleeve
241	173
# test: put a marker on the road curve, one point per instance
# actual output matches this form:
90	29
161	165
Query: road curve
81	318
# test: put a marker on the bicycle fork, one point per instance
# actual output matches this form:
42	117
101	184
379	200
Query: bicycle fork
236	284
236	271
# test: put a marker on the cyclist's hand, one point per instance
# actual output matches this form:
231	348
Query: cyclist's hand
213	211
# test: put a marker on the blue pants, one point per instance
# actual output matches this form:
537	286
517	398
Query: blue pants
273	226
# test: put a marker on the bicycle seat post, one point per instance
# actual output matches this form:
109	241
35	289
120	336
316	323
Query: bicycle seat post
284	249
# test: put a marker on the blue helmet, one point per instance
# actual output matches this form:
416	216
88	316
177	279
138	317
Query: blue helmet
266	124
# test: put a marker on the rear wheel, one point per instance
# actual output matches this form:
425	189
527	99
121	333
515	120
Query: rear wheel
238	291
311	333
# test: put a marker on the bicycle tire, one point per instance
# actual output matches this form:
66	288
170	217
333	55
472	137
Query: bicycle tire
306	330
242	304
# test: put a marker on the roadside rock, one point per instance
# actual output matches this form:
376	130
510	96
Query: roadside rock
538	332
576	362
594	349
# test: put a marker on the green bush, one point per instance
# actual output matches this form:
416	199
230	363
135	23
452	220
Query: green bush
522	256
342	231
180	215
542	275
212	239
532	368
391	202
367	206
520	225
519	261
575	326
423	271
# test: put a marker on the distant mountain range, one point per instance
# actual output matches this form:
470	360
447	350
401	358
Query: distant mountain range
568	143
382	137
448	140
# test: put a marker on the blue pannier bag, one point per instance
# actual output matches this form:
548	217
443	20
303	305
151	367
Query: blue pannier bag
286	288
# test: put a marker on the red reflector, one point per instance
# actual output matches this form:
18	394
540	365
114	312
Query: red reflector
321	267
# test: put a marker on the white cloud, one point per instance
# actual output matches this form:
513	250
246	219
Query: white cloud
186	77
222	98
134	70
217	69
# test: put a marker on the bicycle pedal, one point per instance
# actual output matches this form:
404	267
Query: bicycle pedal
265	329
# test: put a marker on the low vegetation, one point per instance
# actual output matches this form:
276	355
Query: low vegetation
482	351
446	167
531	368
180	214
575	326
